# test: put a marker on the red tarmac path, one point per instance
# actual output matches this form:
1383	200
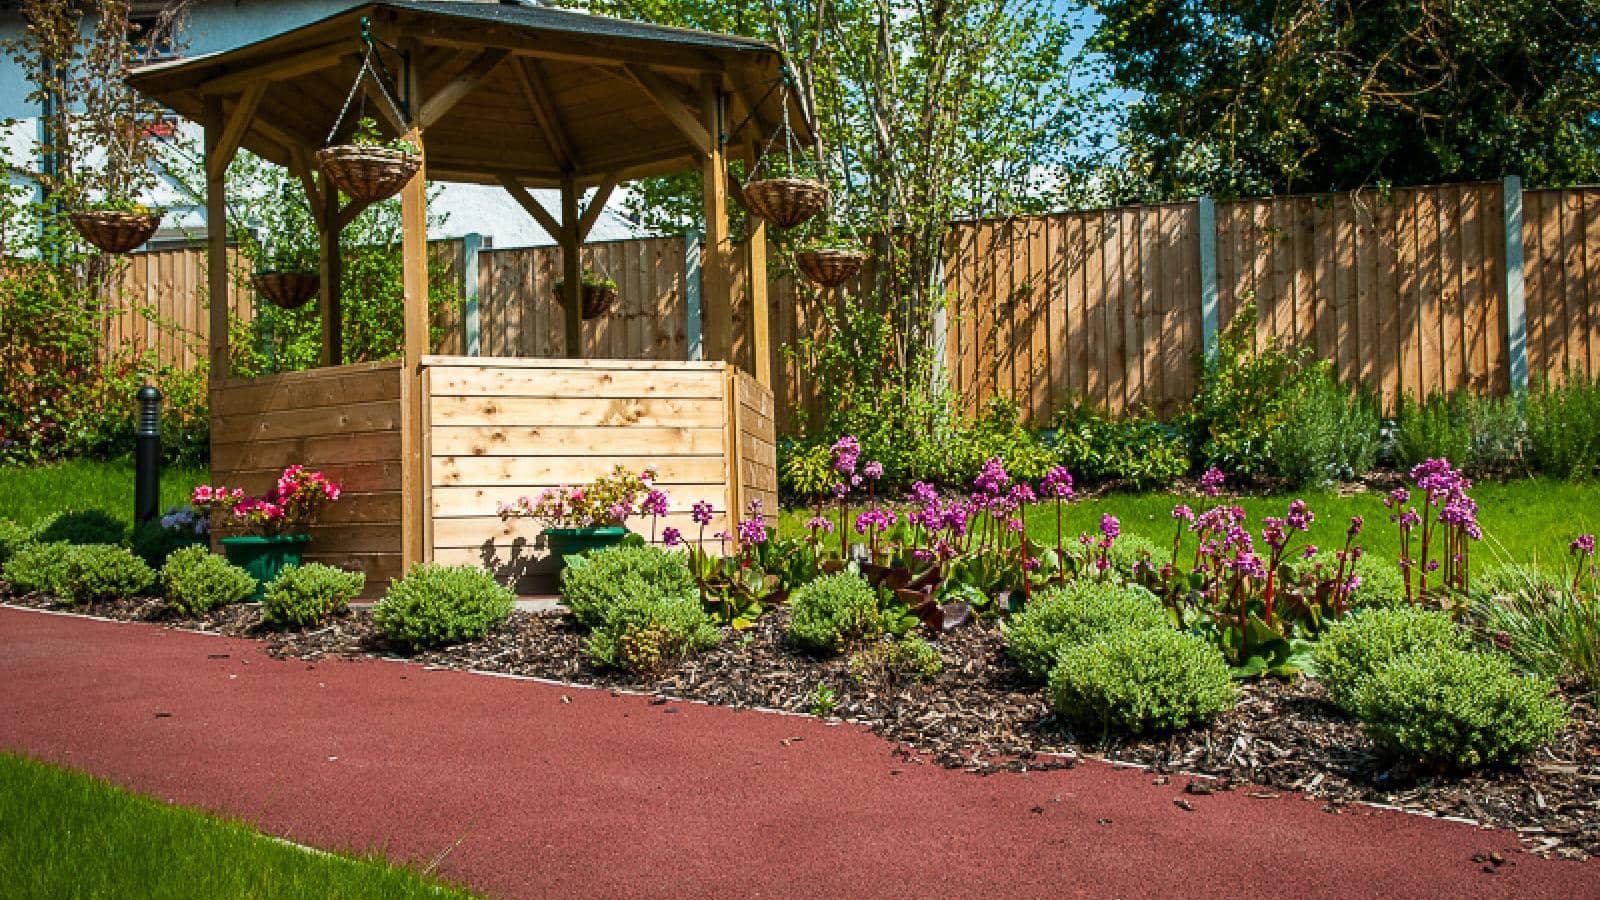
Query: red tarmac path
560	791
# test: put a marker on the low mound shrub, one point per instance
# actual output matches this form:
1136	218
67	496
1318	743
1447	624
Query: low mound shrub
89	526
892	664
834	613
196	581
38	569
1380	578
96	572
1073	613
305	595
643	634
13	537
592	585
436	604
1458	709
1141	680
1356	648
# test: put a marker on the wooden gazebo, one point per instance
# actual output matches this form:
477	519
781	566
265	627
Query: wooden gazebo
522	97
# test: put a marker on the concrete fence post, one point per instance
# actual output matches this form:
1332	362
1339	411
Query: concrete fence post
1516	299
1209	323
470	245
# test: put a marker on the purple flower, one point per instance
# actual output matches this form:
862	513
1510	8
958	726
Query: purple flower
846	451
1582	545
1355	525
1211	481
873	470
1300	516
655	503
1110	527
993	477
752	531
702	513
1309	551
1397	498
1272	532
1057	483
1183	512
671	537
924	493
820	523
1021	493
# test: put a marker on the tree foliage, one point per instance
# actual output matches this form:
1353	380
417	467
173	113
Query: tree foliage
1244	97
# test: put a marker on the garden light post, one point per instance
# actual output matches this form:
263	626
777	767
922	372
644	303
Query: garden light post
147	456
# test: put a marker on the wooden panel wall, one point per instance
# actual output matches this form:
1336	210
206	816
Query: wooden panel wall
754	439
504	428
1561	264
344	421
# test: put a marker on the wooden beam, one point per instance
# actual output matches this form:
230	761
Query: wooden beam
244	112
415	518
571	269
460	86
278	69
532	205
660	89
715	296
597	204
760	312
216	247
300	167
537	94
348	213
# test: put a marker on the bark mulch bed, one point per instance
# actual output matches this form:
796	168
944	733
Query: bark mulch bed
981	715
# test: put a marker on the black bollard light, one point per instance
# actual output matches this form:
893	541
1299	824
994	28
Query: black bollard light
147	457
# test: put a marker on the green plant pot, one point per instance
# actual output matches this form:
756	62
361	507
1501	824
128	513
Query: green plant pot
264	557
565	542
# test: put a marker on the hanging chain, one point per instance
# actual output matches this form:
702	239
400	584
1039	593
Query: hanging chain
383	88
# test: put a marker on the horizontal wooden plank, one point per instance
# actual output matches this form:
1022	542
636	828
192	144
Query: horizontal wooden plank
479	531
556	470
576	441
512	412
621	365
336	388
286	424
371	446
485	501
760	428
495	381
382	537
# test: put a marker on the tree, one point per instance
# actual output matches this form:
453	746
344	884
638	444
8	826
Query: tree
1246	97
926	111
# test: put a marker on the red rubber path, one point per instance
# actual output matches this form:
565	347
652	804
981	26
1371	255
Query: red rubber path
555	791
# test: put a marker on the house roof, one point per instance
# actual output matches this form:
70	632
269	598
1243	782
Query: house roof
539	92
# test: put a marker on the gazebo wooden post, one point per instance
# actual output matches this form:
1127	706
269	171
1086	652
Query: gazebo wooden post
571	267
760	311
714	254
216	243
414	518
331	273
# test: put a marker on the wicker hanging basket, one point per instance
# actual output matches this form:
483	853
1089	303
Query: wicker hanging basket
786	202
597	299
287	290
368	174
115	230
830	267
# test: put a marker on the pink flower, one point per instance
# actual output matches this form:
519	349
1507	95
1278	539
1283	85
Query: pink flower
655	503
1110	527
1211	481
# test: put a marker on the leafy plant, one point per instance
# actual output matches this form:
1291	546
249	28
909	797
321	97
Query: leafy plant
834	613
1547	625
590	280
196	581
366	134
13	537
436	604
594	583
1333	434
607	501
1438	427
1499	435
640	634
998	434
1142	451
890	665
1359	647
1073	613
1564	427
1377	581
38	568
96	572
1458	708
310	593
1141	680
822	700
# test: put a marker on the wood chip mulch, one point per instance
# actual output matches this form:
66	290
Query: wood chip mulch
982	716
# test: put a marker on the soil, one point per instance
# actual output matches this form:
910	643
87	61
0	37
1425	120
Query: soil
982	715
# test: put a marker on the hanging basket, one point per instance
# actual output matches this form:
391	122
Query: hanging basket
368	174
786	202
115	230
830	267
287	290
597	299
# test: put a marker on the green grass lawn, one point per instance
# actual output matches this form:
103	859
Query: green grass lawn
64	834
1526	520
31	493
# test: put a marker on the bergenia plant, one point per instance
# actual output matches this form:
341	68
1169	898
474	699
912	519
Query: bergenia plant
1435	541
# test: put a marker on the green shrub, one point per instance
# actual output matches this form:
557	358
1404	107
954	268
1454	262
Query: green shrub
642	634
1439	427
1458	709
303	595
1074	613
95	572
436	604
1381	584
593	584
998	433
13	537
833	613
38	569
1356	648
1333	434
887	665
1139	680
90	526
196	581
1141	451
1499	433
1564	427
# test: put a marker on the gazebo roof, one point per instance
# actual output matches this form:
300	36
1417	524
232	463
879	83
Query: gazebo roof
508	91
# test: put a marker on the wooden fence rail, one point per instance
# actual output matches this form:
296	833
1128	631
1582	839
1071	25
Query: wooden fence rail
1407	292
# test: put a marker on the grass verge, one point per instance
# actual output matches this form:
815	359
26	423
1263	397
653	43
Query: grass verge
64	834
31	493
